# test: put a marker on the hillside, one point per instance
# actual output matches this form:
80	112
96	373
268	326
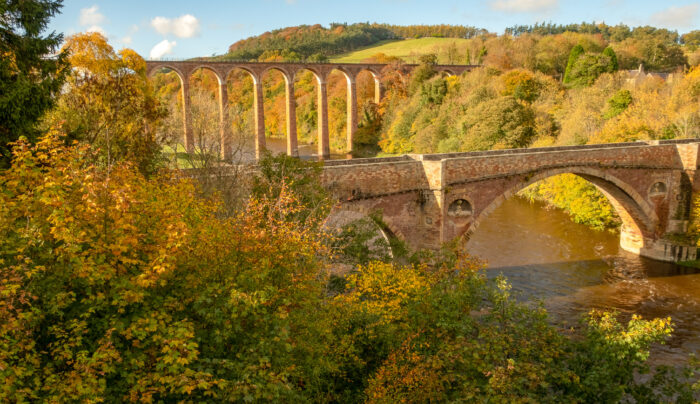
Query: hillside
407	49
318	43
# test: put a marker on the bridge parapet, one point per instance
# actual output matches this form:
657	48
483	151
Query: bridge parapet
430	199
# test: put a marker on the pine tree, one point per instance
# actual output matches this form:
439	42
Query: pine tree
30	75
609	52
575	53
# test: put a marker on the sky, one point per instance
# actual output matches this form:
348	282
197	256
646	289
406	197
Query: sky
176	29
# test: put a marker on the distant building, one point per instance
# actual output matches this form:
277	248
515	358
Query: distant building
637	76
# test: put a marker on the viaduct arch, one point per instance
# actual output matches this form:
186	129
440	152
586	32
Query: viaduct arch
431	199
257	70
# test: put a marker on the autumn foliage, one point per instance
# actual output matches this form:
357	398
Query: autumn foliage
117	287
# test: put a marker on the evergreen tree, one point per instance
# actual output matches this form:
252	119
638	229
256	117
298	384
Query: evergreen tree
576	51
610	53
30	75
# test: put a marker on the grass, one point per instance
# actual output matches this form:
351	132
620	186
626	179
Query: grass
406	49
184	159
690	264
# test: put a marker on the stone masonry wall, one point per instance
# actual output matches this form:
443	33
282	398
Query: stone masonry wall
649	184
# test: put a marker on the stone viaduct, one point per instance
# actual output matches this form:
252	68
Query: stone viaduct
184	70
434	198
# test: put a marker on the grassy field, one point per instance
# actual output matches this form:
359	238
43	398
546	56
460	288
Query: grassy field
407	49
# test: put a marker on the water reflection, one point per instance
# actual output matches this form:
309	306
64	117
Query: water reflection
573	269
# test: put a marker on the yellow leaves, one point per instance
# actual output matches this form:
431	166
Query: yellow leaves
89	51
133	61
384	289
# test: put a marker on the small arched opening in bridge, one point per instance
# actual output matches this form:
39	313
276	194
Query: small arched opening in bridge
353	225
240	108
370	91
342	109
310	123
169	86
208	110
636	215
279	107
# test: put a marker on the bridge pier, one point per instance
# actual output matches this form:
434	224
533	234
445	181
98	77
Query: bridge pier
351	112
324	147
224	126
292	147
259	118
378	90
186	116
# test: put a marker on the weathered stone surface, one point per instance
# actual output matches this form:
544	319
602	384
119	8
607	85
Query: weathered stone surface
649	184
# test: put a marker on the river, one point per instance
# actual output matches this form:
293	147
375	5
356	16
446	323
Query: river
278	145
572	269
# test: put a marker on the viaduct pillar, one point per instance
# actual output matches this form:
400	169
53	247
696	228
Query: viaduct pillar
351	112
186	115
259	118
324	149
292	149
224	127
378	90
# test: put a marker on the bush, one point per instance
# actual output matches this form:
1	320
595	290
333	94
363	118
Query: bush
116	287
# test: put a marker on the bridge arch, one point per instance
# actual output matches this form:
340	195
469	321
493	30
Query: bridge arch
258	111
221	97
187	139
159	67
320	78
639	219
217	74
388	229
289	118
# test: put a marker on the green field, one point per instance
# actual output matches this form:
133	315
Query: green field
407	49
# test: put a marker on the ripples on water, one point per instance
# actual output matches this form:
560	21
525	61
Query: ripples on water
573	269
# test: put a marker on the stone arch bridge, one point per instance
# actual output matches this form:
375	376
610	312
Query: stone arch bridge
434	198
185	69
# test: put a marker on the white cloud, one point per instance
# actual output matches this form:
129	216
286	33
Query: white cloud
677	17
523	5
127	40
185	26
97	28
162	48
91	16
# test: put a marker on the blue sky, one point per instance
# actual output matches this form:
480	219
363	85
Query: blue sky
182	29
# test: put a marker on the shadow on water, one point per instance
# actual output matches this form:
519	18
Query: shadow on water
572	269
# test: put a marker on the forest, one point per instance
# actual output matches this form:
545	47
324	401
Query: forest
126	279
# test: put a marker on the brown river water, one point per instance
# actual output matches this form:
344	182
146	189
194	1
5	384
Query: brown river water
572	269
278	145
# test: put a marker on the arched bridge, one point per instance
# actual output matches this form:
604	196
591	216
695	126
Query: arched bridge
184	69
430	199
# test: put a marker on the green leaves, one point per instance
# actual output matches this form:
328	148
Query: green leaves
29	81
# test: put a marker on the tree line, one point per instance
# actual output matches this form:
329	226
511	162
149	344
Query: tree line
317	43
